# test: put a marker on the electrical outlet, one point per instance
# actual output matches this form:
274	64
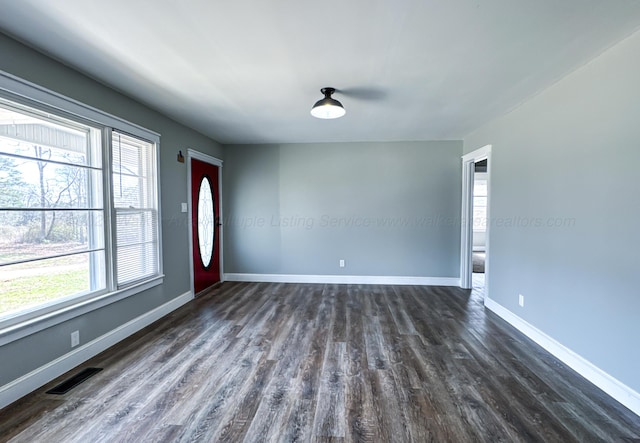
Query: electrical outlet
183	207
521	300
342	263
75	338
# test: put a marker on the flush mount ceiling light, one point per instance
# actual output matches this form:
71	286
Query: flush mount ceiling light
328	107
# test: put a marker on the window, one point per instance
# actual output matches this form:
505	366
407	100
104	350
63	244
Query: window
136	212
480	202
50	208
206	220
79	215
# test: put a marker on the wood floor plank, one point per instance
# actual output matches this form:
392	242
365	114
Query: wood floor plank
325	363
311	366
278	333
298	426
230	389
27	410
451	424
204	381
399	311
242	414
273	413
392	419
148	403
360	408
107	388
182	372
374	344
339	317
330	414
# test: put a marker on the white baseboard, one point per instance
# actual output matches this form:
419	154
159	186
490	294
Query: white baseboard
44	374
344	279
615	388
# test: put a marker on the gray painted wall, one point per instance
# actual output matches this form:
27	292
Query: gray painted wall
579	278
22	356
387	209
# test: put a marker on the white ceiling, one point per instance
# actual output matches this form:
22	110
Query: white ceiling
248	71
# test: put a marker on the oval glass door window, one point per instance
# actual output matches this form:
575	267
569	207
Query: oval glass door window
206	217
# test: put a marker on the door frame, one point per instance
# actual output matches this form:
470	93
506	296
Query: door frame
466	217
193	154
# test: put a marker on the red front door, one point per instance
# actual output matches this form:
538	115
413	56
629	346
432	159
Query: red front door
205	213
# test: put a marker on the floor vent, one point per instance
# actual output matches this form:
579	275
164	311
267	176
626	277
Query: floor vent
74	381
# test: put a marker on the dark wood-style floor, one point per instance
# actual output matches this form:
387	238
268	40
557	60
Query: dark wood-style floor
294	362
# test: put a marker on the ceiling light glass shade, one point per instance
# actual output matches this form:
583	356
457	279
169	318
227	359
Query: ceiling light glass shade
328	107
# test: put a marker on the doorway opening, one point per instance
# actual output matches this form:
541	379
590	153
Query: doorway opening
480	196
474	251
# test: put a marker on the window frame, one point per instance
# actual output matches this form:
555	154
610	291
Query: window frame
37	318
115	210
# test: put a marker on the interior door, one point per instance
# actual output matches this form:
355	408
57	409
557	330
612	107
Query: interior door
205	210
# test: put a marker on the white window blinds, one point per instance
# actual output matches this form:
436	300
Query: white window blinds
135	204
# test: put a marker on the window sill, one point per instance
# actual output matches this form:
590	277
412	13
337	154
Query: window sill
33	325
